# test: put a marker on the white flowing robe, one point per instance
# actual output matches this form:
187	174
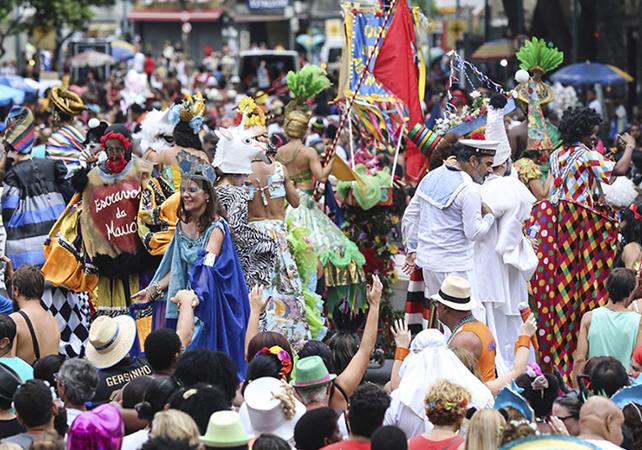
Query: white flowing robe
504	263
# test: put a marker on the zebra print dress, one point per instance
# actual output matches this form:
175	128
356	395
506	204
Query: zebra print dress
256	250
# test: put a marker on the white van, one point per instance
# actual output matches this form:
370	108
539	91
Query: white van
279	62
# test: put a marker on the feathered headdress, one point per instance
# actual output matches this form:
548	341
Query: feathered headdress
305	84
538	58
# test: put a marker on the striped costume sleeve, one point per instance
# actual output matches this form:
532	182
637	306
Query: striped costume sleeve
66	145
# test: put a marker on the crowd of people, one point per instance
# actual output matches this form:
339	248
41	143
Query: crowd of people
173	280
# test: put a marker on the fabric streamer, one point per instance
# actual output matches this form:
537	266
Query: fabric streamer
457	63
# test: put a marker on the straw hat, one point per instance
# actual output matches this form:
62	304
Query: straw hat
110	340
225	430
455	294
262	413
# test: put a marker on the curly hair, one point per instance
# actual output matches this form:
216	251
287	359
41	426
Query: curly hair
446	403
517	429
577	123
368	405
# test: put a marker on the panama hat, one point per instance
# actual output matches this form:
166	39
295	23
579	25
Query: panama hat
262	413
311	372
225	430
455	294
110	340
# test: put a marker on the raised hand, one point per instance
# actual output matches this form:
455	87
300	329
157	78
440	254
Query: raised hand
401	333
257	302
374	292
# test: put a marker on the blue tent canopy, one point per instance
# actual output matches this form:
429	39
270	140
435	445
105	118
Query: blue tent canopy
591	73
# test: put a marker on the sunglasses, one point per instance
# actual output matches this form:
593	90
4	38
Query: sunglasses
565	418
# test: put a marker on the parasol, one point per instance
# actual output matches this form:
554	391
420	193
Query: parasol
591	73
9	95
497	49
26	85
91	58
122	50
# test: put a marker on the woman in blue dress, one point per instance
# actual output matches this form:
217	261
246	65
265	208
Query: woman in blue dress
202	257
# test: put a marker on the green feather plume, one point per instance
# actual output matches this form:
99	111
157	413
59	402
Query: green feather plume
307	82
537	53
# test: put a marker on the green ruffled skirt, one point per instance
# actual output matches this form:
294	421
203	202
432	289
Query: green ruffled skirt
341	259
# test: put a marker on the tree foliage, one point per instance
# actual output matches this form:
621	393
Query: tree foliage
68	16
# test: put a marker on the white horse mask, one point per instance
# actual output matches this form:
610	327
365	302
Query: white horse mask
237	147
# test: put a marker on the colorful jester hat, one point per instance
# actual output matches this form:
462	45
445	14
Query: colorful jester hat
536	58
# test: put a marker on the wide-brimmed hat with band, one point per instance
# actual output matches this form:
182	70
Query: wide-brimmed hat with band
455	294
110	340
311	372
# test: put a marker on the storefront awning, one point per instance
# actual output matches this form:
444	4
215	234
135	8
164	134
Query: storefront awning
205	15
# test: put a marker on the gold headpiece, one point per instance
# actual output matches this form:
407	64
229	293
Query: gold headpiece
254	115
192	106
66	101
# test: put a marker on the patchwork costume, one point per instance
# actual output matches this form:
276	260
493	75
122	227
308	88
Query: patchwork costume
577	246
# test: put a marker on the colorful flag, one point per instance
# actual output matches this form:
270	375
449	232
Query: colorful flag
397	70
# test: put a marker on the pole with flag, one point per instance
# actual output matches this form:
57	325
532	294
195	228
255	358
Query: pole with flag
396	68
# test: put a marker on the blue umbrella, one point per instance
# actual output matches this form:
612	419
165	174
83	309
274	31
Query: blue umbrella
591	73
9	94
122	50
20	83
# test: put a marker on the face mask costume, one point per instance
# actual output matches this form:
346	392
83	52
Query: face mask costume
106	213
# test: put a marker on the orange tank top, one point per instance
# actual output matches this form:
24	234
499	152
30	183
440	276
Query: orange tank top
487	358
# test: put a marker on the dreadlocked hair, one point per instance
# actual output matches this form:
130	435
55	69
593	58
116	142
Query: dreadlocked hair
287	399
577	123
446	403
